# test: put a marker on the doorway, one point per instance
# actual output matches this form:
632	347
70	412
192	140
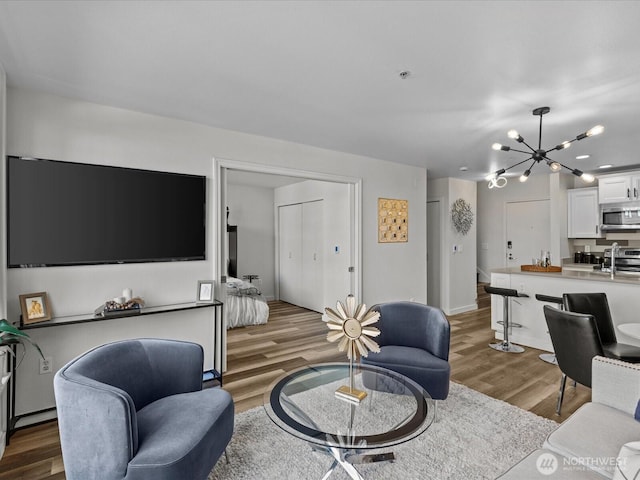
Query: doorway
434	253
527	230
218	212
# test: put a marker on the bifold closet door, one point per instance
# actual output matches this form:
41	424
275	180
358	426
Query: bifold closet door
312	265
290	246
301	238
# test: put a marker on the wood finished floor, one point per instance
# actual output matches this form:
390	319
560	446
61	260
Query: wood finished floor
295	337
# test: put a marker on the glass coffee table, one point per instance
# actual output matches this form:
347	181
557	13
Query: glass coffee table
304	404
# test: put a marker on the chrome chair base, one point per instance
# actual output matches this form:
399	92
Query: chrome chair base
507	347
549	358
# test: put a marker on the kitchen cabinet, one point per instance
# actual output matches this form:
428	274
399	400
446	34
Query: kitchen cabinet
584	213
619	187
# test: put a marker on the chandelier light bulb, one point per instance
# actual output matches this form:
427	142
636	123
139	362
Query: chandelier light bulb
555	166
525	176
496	146
565	144
597	130
587	177
513	134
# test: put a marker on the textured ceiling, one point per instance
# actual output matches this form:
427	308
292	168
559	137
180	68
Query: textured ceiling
327	73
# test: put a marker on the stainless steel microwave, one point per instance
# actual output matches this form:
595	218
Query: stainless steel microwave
620	218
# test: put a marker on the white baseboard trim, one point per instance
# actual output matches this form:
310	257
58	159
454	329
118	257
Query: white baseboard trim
463	309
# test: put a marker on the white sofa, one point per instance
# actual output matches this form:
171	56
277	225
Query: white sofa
586	445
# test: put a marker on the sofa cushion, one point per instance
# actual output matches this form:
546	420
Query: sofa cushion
593	436
628	462
174	443
546	464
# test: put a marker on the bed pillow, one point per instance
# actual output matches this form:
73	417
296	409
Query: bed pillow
628	462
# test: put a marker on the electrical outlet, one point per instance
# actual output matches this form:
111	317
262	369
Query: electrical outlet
46	365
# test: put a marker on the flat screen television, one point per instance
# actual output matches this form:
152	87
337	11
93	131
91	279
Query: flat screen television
66	213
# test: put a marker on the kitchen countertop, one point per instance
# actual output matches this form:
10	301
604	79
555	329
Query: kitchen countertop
631	278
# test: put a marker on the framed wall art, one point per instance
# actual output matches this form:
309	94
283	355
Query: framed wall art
35	307
393	220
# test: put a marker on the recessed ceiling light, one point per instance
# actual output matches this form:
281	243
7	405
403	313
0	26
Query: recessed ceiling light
582	157
464	169
404	74
608	165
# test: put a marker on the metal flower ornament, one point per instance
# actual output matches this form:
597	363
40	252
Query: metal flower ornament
350	323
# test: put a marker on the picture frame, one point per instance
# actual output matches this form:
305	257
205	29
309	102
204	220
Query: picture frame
205	291
35	307
393	220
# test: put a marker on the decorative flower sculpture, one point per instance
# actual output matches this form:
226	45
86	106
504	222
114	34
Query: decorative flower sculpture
350	323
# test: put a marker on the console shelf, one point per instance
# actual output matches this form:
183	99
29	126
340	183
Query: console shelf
208	376
90	317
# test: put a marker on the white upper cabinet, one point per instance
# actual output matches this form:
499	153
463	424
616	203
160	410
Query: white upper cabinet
584	213
619	188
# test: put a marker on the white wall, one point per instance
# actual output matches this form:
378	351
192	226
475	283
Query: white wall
48	126
458	270
3	209
251	209
3	248
336	231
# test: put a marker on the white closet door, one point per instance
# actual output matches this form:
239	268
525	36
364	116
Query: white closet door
290	243
312	296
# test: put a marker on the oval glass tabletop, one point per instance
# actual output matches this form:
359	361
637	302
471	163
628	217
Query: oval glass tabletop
304	403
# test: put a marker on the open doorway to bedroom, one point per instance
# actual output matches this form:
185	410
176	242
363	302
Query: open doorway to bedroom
294	242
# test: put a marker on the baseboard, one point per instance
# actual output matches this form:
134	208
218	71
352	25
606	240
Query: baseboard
464	309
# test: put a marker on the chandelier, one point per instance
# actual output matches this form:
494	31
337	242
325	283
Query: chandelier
539	155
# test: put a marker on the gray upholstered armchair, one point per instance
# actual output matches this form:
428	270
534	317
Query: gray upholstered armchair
135	409
414	341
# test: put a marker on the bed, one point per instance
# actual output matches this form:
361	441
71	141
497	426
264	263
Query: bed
245	304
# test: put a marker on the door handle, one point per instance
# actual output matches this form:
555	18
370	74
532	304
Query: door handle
628	193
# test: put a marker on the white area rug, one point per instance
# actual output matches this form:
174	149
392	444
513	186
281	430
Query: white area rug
474	437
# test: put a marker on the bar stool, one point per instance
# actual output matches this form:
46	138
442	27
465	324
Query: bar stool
506	293
550	357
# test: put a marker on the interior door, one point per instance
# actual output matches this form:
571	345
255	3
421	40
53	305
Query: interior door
312	260
434	253
527	231
290	246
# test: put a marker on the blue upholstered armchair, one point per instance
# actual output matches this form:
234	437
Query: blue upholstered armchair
135	409
414	341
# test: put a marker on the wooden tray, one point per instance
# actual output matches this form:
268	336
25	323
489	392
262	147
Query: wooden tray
535	268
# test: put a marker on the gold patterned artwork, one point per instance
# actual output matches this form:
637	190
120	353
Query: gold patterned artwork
393	220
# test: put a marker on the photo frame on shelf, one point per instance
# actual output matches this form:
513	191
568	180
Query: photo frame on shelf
205	291
35	307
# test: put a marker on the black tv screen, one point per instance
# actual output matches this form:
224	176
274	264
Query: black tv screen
65	213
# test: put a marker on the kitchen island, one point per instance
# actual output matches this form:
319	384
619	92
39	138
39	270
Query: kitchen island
623	293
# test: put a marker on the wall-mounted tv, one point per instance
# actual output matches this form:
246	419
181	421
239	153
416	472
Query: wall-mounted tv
66	213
